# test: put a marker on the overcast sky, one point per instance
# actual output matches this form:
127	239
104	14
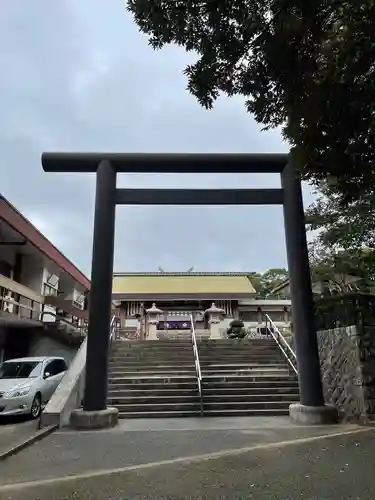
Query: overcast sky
77	76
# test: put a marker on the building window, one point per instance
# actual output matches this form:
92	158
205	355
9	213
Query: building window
78	299
48	290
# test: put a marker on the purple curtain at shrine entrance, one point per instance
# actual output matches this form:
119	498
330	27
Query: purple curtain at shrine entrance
174	325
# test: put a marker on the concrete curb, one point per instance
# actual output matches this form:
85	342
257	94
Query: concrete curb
27	442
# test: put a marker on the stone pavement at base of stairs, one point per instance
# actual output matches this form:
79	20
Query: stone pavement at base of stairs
240	458
14	431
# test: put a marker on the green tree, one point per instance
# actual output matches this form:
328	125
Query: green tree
307	66
256	281
266	282
272	278
337	269
337	227
344	238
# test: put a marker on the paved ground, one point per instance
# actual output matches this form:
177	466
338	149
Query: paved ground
260	459
15	430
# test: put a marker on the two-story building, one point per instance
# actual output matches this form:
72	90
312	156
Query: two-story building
43	295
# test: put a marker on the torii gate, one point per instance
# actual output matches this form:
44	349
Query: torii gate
106	165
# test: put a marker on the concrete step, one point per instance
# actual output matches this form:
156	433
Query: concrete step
211	380
161	414
249	343
230	398
206	374
248	405
159	407
203	352
243	358
235	394
149	345
152	373
152	350
242	361
223	343
203	342
236	347
184	401
243	353
152	393
153	379
243	366
154	362
134	350
239	356
151	357
160	385
174	345
238	351
267	372
250	390
264	412
228	343
144	366
161	366
176	358
154	400
207	413
141	342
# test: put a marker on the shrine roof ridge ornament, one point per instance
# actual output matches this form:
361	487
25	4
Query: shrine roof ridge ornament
167	162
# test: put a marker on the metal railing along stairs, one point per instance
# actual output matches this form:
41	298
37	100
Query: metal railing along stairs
282	343
197	363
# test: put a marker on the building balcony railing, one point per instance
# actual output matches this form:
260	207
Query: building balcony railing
18	303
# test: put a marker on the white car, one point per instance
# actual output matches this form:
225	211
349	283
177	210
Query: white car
26	384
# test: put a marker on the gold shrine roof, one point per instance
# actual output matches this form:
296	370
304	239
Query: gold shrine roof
126	285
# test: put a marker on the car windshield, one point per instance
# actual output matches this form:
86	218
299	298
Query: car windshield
24	369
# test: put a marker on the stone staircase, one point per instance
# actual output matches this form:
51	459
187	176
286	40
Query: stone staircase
247	377
153	379
158	378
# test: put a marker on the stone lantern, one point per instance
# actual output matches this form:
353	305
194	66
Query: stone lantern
153	314
214	319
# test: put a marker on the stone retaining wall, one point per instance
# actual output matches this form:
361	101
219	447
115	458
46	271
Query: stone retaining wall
348	370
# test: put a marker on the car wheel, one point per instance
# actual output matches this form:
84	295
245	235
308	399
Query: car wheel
36	407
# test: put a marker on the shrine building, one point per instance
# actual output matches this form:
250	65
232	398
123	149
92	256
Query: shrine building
177	295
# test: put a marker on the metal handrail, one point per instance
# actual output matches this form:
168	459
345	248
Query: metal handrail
277	340
112	329
197	363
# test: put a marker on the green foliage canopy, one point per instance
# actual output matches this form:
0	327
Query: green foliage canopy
305	65
266	282
350	227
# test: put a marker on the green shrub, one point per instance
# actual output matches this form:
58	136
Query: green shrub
236	330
